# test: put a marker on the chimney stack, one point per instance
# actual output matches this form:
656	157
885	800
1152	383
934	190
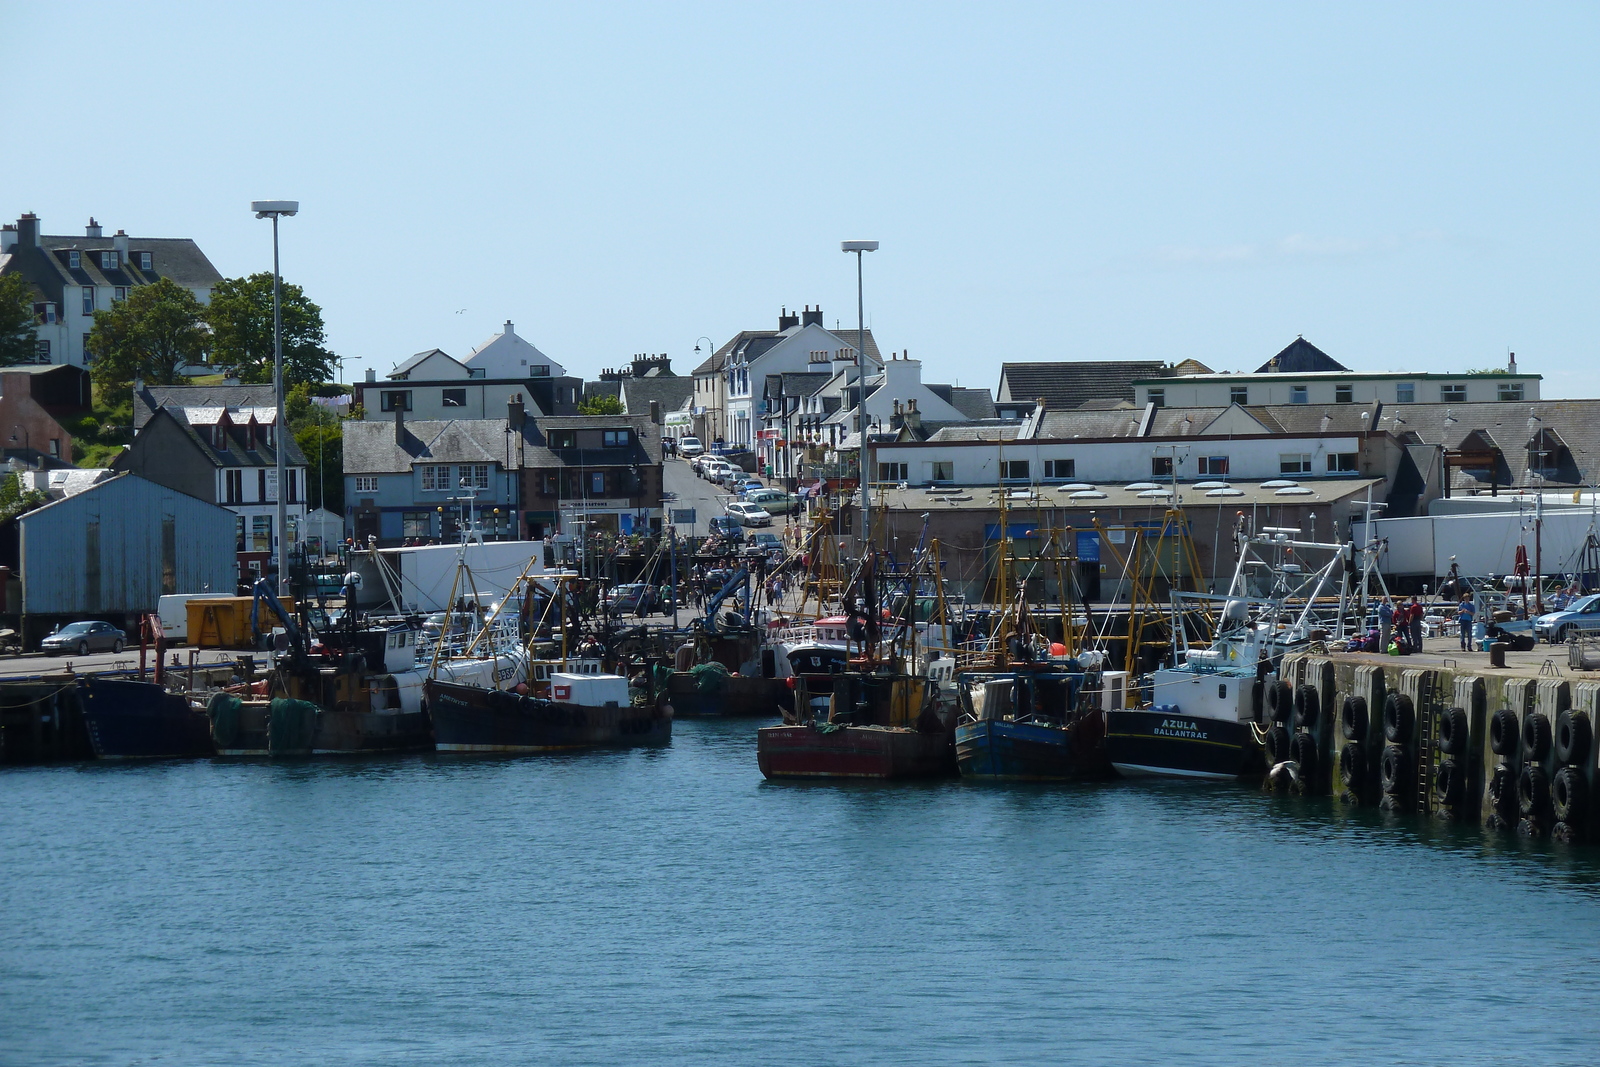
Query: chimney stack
655	412
28	230
399	424
120	243
786	320
811	316
515	412
1511	364
372	375
93	229
8	237
508	329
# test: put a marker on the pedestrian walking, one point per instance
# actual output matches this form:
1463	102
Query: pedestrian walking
1466	614
1414	618
1385	622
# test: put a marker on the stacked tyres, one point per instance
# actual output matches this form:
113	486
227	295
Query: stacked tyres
1280	699
1355	772
1450	774
1533	780
1505	741
1571	797
1306	748
1396	775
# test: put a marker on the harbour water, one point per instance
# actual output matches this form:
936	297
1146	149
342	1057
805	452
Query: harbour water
670	907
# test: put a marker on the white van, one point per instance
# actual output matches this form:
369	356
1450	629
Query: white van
174	612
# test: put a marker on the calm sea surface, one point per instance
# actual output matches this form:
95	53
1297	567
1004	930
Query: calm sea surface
669	907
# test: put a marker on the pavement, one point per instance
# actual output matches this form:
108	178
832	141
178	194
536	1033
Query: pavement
34	664
1543	659
707	499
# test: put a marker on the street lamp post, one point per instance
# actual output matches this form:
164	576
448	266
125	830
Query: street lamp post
273	209
858	247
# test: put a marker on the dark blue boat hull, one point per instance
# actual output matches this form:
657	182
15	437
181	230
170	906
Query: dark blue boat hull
141	720
1168	743
996	748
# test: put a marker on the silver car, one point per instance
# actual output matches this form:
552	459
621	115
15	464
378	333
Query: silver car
82	638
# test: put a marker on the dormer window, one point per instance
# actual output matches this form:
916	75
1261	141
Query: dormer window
75	259
108	260
144	260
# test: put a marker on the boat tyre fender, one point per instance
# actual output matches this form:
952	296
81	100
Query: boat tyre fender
1570	795
1503	791
1399	716
1392	769
1533	790
1307	707
1353	718
1279	698
1278	745
1453	732
1535	737
1303	750
1503	732
1448	784
1352	766
1573	734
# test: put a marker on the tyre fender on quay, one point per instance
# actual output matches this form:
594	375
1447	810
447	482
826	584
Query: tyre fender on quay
1280	697
1352	766
1569	794
1573	736
1449	783
1533	790
1279	745
1453	726
1535	736
1503	733
1392	769
1399	717
1307	707
1353	718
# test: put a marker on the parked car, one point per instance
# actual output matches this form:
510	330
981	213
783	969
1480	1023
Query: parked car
724	475
750	514
1581	615
82	638
714	470
773	501
634	598
727	527
764	542
690	447
745	484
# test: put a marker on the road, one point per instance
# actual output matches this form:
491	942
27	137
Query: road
128	659
708	500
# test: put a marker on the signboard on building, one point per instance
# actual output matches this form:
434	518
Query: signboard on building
683	516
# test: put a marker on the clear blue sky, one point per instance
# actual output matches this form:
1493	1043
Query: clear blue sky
1409	186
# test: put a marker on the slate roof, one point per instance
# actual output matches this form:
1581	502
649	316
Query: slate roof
148	398
645	450
1001	430
236	453
46	265
410	364
670	392
1069	384
755	342
371	447
973	403
1301	357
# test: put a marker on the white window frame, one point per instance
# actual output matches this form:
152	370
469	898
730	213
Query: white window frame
88	300
1510	391
1294	463
1213	466
941	470
1453	393
74	260
1061	468
1336	462
1299	394
366	483
1405	392
108	260
144	260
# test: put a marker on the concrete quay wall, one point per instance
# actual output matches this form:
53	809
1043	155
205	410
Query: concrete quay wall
1513	749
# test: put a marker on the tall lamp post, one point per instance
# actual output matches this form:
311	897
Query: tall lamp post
272	209
858	247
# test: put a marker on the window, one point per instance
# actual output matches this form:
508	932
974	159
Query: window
119	293
549	485
55	446
1161	466
261	533
394	400
416	524
238	534
1239	394
1158	397
1344	394
597	483
88	300
436	479
1405	393
617	438
261	484
1298	394
1294	463
1342	462
108	261
1060	468
1455	393
563	439
294	487
233	487
894	472
144	260
75	259
1510	391
540	371
366	483
942	470
474	477
1014	470
41	350
455	398
1215	466
47	313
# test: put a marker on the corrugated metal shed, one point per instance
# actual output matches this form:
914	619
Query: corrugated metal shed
119	546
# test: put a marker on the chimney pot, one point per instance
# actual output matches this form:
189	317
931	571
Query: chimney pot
93	229
28	230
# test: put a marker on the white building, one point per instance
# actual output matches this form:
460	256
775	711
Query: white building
435	386
73	277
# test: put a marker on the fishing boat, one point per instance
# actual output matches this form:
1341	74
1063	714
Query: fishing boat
1204	720
884	713
141	720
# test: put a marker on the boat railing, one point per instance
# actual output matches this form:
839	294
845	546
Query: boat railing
502	637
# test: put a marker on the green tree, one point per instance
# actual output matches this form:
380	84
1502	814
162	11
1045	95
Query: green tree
151	334
241	325
600	404
16	321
